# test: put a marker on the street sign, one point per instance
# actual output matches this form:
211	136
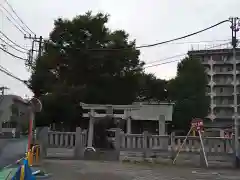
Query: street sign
197	124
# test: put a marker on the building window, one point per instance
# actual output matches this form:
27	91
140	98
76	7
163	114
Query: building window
221	90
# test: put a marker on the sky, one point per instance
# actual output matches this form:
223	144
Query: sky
148	22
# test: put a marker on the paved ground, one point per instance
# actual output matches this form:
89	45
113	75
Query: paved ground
91	170
12	151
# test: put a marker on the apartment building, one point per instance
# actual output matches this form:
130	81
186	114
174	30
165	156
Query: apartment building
13	109
219	68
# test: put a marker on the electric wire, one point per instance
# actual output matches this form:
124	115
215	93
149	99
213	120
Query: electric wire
18	57
13	41
178	55
5	71
150	45
183	37
197	42
143	46
21	29
13	47
11	7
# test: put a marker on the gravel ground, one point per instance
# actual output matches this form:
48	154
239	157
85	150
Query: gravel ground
92	170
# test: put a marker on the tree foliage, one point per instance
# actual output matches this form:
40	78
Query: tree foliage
152	88
188	90
84	61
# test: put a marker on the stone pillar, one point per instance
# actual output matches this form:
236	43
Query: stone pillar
91	128
128	119
161	125
43	141
78	143
145	144
129	125
117	143
173	153
109	111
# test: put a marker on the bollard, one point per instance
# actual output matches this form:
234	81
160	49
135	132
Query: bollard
30	157
34	155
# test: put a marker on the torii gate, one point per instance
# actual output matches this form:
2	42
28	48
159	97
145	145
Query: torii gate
109	111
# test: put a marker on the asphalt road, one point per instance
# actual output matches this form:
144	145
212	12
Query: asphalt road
13	150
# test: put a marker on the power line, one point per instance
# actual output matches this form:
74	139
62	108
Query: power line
183	37
178	55
21	29
13	47
197	42
5	71
18	57
19	17
167	58
168	62
13	41
150	45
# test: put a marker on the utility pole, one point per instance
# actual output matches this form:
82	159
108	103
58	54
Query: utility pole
235	29
34	40
32	115
40	47
2	89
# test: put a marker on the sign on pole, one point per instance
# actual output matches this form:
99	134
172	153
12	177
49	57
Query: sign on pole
197	124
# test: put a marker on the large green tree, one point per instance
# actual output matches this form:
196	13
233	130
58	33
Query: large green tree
188	91
152	88
83	60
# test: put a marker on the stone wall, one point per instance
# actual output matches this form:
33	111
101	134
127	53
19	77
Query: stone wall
140	147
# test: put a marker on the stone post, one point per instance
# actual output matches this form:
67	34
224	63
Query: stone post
91	129
129	125
172	139
117	142
145	144
78	143
43	141
161	125
234	151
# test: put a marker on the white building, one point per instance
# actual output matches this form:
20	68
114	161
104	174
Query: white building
8	115
219	67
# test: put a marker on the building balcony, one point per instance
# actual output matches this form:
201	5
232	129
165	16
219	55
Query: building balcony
222	72
222	105
223	83
223	94
225	62
224	116
207	62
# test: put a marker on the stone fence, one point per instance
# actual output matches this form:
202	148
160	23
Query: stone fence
139	147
